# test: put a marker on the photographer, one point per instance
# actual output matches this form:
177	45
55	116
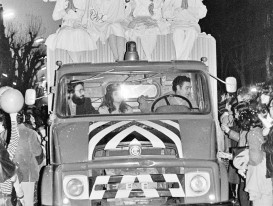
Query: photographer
244	96
257	185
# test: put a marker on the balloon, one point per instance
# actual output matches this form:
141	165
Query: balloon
3	89
11	101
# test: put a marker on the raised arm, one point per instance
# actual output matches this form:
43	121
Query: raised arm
198	11
59	11
14	136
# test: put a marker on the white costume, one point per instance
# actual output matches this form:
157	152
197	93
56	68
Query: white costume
184	16
146	22
105	18
73	35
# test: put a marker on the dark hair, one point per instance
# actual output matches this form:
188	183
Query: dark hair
179	80
108	99
268	105
72	84
248	118
241	106
3	119
243	91
21	117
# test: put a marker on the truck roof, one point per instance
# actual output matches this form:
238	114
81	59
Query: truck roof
132	65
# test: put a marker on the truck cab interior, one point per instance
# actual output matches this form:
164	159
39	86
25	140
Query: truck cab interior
144	91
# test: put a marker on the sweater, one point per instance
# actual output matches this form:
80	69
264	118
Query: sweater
255	140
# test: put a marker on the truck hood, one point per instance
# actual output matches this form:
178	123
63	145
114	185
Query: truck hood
76	142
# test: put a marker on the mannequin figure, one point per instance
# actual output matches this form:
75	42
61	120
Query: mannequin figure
146	22
105	19
72	35
183	16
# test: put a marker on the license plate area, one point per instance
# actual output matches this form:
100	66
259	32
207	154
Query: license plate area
141	186
129	186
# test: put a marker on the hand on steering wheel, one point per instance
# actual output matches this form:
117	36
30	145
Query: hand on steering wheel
167	101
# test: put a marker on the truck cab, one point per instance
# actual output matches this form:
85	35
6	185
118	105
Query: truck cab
160	155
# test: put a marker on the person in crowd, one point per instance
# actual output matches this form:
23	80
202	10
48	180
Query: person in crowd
240	137
3	129
257	185
78	104
72	36
183	16
105	21
181	86
29	155
267	146
113	102
6	187
145	21
227	118
244	94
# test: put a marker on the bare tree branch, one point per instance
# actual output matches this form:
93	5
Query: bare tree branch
26	53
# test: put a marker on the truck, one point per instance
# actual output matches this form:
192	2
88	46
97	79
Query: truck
164	157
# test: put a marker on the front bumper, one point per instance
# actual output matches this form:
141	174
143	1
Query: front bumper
226	203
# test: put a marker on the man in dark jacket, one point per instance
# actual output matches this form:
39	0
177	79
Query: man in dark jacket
78	104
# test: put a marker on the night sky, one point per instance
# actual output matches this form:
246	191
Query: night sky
22	8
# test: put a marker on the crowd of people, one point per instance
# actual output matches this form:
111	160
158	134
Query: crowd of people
23	152
246	119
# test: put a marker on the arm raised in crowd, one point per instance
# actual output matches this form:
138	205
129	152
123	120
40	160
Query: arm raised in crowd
14	136
231	133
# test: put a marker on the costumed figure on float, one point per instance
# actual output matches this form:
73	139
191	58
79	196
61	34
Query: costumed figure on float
145	22
105	19
73	35
183	15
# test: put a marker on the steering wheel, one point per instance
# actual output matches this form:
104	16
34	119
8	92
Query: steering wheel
167	101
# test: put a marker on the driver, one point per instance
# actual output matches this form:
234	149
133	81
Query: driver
181	86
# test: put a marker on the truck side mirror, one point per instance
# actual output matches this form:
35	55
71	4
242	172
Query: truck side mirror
30	97
231	84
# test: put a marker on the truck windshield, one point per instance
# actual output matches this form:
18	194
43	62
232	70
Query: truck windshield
134	92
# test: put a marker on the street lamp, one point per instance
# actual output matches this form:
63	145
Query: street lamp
39	40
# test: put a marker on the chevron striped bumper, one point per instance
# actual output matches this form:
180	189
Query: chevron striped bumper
226	203
129	186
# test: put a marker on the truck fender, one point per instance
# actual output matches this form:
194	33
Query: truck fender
47	185
224	182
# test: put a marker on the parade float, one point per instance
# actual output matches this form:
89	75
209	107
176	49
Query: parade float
159	156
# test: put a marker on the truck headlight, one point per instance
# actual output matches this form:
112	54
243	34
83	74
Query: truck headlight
198	183
74	187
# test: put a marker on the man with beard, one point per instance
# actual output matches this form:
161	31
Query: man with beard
78	104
